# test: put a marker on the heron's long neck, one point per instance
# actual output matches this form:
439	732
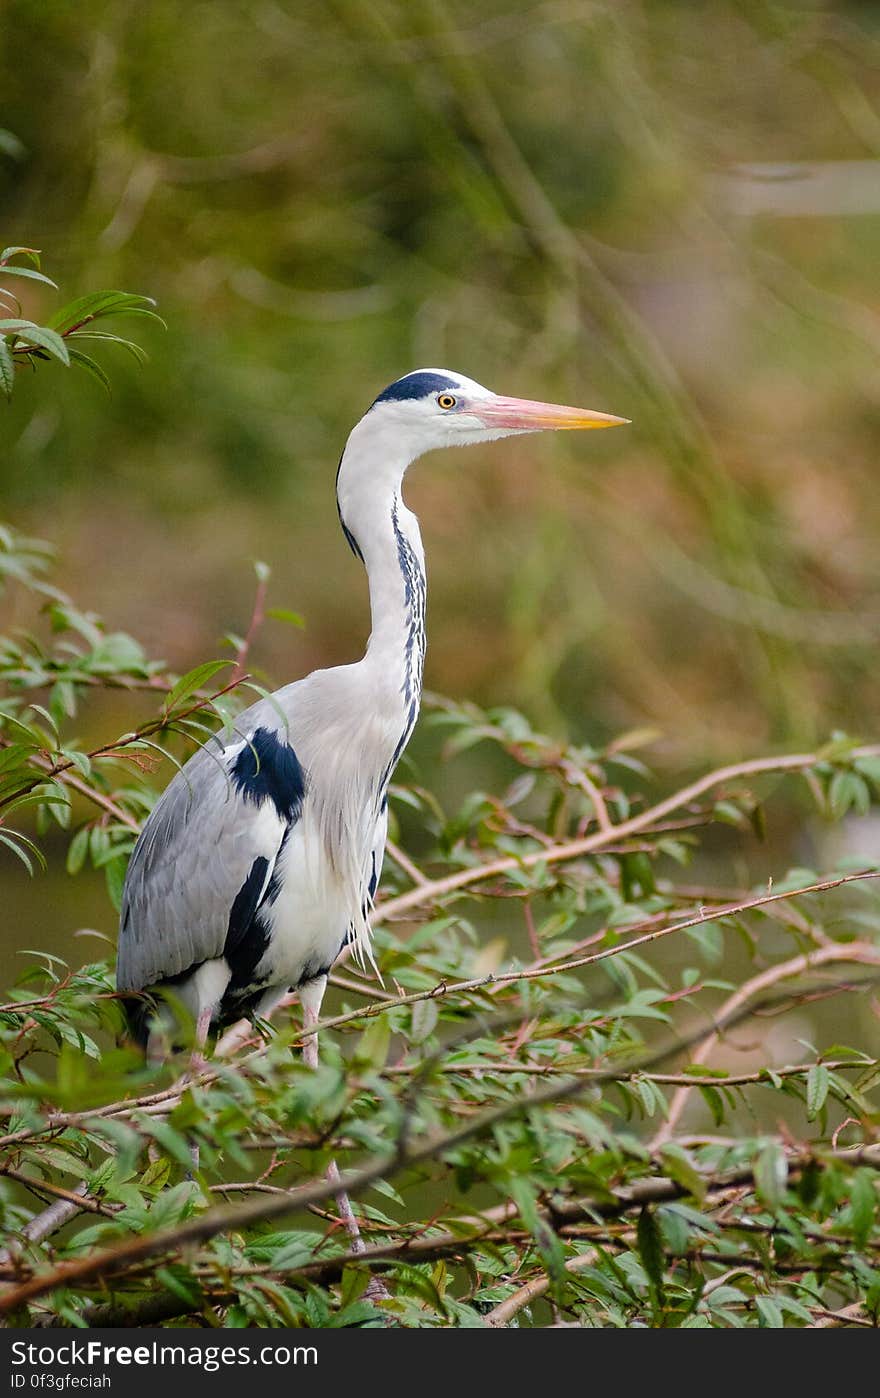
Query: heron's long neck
385	534
395	564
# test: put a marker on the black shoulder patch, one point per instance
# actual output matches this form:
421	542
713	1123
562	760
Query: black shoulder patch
417	385
244	906
248	934
268	769
243	961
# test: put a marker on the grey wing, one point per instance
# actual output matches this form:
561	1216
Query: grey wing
205	856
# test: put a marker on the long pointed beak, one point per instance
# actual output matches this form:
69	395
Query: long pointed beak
522	415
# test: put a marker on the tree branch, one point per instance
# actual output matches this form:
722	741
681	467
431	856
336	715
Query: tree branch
822	956
573	849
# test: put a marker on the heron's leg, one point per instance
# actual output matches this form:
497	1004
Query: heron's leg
198	1063
310	997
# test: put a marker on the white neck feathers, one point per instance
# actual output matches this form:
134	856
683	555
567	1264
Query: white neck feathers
385	535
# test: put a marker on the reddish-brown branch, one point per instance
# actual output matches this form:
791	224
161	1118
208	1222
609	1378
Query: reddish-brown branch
258	616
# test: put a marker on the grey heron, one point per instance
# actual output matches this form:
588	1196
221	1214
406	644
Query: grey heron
261	860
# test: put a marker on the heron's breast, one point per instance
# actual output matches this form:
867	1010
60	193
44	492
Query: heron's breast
309	914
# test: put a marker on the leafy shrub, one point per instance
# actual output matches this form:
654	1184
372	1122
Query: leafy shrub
24	343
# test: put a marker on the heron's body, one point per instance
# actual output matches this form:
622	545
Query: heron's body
261	859
242	876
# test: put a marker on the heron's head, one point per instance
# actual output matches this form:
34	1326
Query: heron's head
438	408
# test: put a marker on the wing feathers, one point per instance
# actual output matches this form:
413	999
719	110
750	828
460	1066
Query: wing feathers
205	858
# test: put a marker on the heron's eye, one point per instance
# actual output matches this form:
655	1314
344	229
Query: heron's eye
446	400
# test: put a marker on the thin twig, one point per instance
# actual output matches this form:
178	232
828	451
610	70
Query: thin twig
446	988
78	1198
46	1223
258	616
588	844
504	1312
64	765
850	1315
764	1077
405	863
820	956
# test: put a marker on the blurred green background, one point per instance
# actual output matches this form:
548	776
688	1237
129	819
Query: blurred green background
665	210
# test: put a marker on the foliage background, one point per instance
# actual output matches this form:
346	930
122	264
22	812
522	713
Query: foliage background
341	203
664	210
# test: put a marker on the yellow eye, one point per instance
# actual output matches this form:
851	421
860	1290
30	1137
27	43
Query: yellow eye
446	400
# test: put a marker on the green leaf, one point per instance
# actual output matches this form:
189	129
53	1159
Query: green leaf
680	1166
650	1096
77	851
169	1139
188	684
282	614
7	370
114	876
81	761
10	840
870	768
137	352
424	1020
374	1043
650	1245
769	1314
838	746
676	1233
27	272
715	1103
862	1204
549	1246
817	1090
868	1080
179	1284
848	791
116	652
709	937
32	255
771	1174
44	338
90	365
636	876
758	821
102	303
156	1175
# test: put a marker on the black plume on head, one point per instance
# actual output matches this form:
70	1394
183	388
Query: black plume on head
417	385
